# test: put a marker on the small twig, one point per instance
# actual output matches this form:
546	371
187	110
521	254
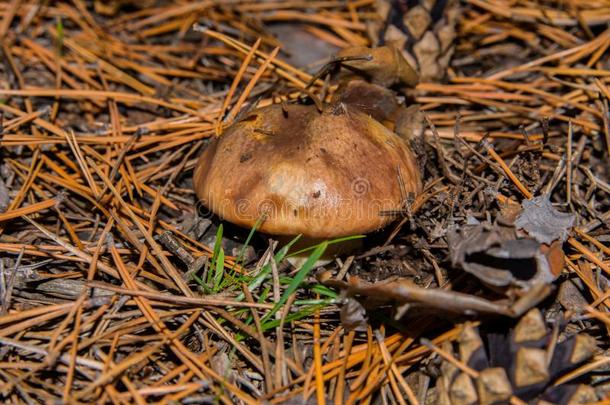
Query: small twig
507	171
8	290
440	153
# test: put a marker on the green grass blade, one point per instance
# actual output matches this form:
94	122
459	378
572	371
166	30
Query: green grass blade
331	242
220	267
298	278
325	291
242	251
300	314
262	275
216	251
59	26
202	284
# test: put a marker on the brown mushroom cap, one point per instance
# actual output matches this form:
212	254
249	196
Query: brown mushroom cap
318	174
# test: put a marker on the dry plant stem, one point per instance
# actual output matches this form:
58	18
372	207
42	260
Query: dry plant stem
9	284
508	171
242	98
284	69
324	347
73	352
94	365
441	153
82	255
598	362
167	266
264	350
361	353
96	95
340	389
236	80
365	366
176	345
280	350
569	165
395	375
8	17
180	300
589	254
317	361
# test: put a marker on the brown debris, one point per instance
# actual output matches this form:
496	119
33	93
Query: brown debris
353	315
385	65
531	327
406	294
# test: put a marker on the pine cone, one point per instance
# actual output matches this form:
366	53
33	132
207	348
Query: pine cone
516	363
424	29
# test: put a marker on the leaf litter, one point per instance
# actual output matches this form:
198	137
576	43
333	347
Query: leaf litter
111	105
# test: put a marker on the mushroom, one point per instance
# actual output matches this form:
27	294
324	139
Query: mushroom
322	174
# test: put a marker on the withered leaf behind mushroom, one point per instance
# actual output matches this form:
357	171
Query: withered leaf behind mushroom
384	65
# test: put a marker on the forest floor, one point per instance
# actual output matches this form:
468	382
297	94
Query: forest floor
117	286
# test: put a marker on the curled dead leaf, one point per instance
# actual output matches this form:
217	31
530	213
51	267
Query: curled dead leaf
499	258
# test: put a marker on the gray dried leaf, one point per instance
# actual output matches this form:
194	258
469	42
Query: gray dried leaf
543	222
